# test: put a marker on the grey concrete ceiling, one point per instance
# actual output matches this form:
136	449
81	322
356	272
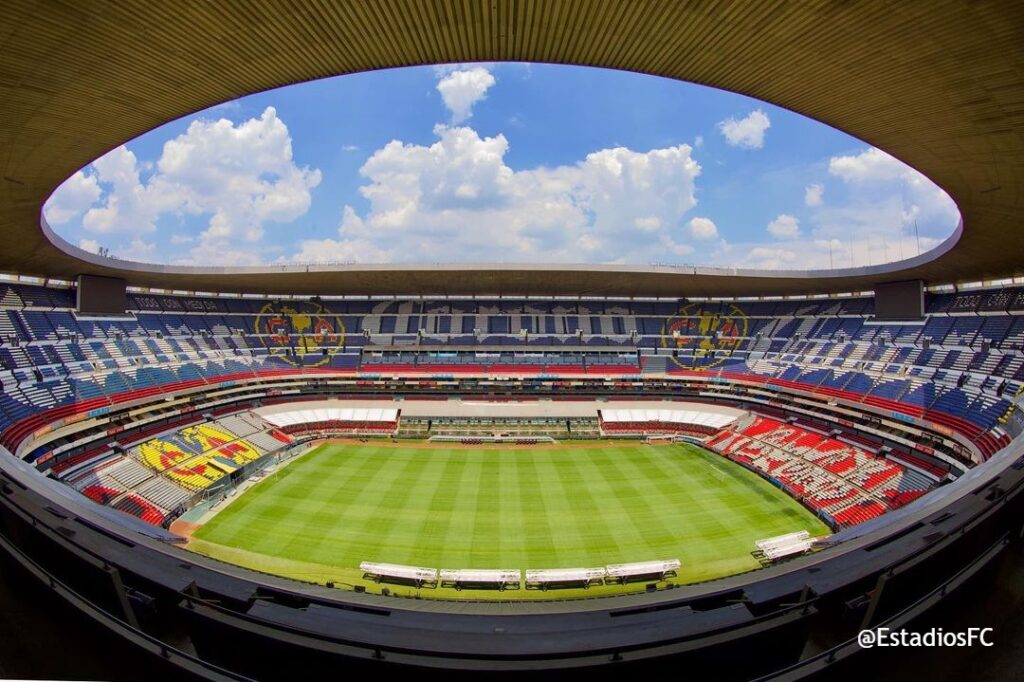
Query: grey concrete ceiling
938	84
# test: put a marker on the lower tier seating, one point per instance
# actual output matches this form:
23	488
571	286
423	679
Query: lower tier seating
845	484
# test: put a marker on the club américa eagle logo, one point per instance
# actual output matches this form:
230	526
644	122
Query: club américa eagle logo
302	333
702	332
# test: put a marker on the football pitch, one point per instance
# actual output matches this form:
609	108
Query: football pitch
506	507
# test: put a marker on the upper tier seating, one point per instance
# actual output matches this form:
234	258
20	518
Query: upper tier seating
56	362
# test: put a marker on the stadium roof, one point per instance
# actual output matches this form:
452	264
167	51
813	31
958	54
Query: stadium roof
939	85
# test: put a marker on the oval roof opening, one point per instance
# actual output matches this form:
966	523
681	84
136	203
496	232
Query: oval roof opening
501	163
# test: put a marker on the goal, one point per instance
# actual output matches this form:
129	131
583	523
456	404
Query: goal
663	438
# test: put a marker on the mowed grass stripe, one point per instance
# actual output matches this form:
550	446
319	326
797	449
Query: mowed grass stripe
389	529
429	541
404	542
276	514
540	549
542	507
567	522
486	542
458	541
349	531
315	527
512	539
615	518
389	499
644	506
610	530
702	498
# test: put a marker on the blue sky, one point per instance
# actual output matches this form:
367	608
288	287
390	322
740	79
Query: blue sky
503	163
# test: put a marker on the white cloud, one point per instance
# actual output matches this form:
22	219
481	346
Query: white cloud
463	88
137	250
442	70
874	174
346	249
768	258
889	203
671	246
231	106
746	132
784	226
340	251
128	207
651	223
72	198
703	228
242	176
457	200
814	194
349	147
872	165
823	253
179	239
869	219
90	245
698	142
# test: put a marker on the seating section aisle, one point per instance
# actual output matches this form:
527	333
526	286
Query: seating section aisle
108	486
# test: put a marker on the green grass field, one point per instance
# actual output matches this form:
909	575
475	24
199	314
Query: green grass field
535	507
